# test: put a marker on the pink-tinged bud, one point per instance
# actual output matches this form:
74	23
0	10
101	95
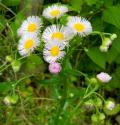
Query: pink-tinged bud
103	77
54	67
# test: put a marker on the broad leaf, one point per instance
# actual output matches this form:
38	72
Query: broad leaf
97	57
112	16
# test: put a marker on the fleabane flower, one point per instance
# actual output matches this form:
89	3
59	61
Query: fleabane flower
104	77
58	33
27	44
31	25
54	67
53	51
79	25
54	11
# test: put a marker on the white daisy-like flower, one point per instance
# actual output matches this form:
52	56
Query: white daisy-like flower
104	77
53	51
31	25
58	33
79	25
54	11
27	44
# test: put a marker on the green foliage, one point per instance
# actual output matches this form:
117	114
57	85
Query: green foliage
114	11
30	94
5	87
11	2
97	57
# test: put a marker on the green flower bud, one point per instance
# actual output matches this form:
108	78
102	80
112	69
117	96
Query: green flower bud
110	105
14	99
101	116
94	118
89	105
16	65
103	48
93	81
111	108
113	36
98	102
8	100
106	42
8	58
71	95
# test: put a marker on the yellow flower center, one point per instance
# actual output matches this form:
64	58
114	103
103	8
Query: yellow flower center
79	27
54	51
29	43
55	13
32	27
57	35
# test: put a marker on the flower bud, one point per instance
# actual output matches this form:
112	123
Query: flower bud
107	42
103	48
16	65
103	77
8	58
110	105
71	95
111	108
98	117
54	68
89	105
93	81
8	100
113	36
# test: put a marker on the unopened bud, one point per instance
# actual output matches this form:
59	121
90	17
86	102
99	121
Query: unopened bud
103	48
113	36
16	65
8	58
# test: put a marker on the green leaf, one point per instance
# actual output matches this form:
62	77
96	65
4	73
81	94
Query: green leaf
97	57
112	54
91	2
115	82
5	86
116	42
112	16
2	22
33	64
76	4
11	2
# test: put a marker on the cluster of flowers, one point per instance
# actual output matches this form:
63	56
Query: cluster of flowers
56	37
